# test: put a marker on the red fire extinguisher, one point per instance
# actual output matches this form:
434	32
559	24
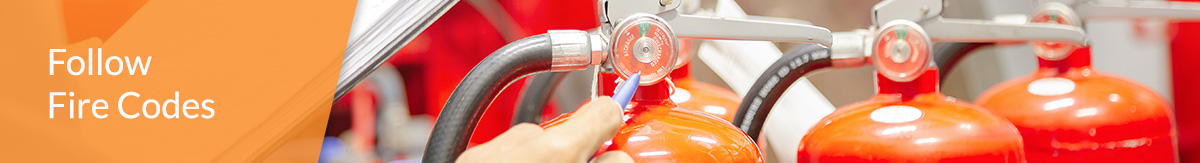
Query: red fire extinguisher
680	134
536	99
688	93
658	128
641	43
691	93
1184	52
909	120
1069	112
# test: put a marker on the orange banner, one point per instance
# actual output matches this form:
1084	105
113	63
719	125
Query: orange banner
168	81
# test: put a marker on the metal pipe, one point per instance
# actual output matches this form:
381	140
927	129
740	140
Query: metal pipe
399	25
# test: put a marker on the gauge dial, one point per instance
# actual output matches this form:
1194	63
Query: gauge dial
901	50
643	43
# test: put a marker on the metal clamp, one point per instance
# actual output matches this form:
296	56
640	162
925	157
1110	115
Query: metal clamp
572	50
852	48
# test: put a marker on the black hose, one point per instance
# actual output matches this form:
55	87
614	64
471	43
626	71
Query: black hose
798	62
947	55
533	99
466	105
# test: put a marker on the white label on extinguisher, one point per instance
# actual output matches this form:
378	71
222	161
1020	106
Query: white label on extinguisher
896	114
1051	86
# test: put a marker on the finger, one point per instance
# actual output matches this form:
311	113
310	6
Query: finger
589	127
515	136
477	154
593	123
613	157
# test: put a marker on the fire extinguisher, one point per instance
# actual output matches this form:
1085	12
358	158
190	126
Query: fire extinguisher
1187	95
641	43
659	129
535	100
908	120
1069	112
688	93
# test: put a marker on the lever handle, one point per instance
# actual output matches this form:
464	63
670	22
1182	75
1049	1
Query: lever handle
717	28
965	30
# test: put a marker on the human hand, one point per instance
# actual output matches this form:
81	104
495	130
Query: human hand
574	140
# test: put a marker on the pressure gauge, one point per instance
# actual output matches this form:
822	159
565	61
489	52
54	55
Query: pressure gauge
901	50
643	43
1060	14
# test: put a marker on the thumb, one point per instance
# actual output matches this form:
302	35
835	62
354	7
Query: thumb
613	157
589	127
598	120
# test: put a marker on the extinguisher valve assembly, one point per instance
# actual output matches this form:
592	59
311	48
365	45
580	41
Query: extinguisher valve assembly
854	49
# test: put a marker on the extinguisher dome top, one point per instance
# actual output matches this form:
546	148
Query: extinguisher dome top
901	50
1088	113
661	131
931	127
1073	96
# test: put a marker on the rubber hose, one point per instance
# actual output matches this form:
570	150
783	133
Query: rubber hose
798	62
947	55
532	101
466	105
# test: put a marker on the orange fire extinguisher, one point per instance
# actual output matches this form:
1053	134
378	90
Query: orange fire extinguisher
1184	53
688	93
1069	112
644	44
641	43
908	120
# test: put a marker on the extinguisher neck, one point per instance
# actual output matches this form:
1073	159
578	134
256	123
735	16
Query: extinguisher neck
927	83
1078	59
651	101
682	72
655	93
